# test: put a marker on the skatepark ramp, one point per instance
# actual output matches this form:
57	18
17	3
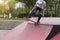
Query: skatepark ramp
49	29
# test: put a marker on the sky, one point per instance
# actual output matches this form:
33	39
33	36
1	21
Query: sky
19	4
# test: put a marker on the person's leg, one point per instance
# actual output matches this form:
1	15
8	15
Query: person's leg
32	13
40	14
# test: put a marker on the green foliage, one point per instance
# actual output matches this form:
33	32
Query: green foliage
11	5
29	4
2	8
19	11
7	7
53	7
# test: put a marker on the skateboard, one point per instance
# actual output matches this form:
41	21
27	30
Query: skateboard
28	19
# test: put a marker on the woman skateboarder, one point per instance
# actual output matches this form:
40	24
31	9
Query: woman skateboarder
40	5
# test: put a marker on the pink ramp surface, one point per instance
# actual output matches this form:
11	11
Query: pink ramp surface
27	31
57	37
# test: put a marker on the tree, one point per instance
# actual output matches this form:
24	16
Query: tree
2	7
29	4
11	5
53	6
7	6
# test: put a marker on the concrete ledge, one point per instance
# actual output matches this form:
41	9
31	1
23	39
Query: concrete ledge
48	20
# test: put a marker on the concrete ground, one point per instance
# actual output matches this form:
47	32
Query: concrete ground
6	25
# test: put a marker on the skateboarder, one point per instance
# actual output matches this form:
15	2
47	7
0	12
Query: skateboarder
40	5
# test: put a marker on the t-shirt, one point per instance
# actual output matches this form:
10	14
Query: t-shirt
40	3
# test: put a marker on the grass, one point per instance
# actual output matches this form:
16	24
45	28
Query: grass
11	18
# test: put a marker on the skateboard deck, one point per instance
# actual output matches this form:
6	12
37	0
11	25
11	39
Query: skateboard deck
31	21
28	19
34	22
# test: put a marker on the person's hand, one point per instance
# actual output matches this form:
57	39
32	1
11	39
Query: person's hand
43	14
44	8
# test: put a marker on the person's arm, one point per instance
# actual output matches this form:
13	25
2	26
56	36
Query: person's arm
33	8
44	6
43	14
